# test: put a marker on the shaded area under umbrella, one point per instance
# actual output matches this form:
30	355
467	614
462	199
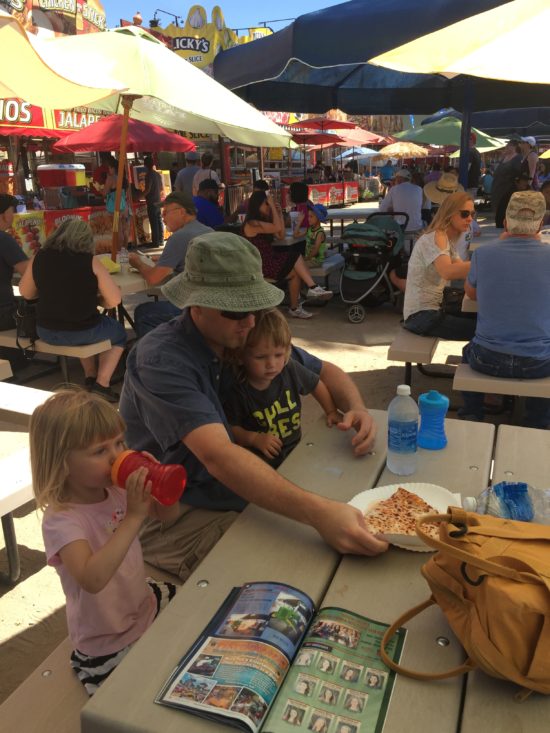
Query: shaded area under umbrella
105	135
314	138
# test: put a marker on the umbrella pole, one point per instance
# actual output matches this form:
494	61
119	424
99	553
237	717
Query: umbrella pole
465	132
127	102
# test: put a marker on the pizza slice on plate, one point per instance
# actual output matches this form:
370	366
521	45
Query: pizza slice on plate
398	514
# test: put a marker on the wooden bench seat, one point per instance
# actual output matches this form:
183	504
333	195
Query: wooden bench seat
468	380
5	369
9	339
411	348
51	698
17	403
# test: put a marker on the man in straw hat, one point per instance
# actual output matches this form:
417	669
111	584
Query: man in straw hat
172	403
509	279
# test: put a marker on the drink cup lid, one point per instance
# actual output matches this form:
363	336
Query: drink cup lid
117	464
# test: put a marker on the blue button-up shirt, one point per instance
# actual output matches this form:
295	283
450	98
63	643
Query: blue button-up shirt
174	384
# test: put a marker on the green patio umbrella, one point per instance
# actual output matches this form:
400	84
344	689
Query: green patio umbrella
447	132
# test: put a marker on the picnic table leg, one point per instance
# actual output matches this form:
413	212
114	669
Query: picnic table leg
12	551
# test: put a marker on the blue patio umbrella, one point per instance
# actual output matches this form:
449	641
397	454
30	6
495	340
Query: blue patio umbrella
319	62
354	152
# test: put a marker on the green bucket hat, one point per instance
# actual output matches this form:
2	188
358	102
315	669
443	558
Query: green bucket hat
222	271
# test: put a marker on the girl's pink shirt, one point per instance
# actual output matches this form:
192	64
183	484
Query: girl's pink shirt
105	622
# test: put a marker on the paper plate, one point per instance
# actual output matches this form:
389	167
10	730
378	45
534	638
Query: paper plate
437	496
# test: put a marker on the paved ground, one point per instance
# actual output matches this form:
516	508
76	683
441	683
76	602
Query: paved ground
32	612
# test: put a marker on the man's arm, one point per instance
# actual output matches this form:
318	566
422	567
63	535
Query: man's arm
387	202
340	525
470	291
349	401
153	275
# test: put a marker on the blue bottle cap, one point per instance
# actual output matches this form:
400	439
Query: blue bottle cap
433	398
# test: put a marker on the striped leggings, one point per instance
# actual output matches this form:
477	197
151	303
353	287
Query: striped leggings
92	671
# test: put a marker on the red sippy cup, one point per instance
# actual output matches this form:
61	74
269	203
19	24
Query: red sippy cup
168	479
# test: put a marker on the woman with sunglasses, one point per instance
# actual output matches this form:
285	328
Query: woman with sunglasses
262	223
433	263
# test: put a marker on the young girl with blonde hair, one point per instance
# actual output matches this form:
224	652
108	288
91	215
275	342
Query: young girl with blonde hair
264	409
90	529
433	263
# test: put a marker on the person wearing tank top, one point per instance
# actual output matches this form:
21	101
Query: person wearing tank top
69	281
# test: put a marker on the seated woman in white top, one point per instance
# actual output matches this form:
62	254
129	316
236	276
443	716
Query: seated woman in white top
433	263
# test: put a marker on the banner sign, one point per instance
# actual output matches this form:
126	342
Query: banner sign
47	18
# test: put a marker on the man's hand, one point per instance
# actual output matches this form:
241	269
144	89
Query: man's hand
134	260
269	445
343	527
362	422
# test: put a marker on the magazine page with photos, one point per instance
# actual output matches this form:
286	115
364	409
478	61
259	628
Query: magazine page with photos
337	683
235	669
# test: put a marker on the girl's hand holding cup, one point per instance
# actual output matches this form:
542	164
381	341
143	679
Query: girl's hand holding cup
138	491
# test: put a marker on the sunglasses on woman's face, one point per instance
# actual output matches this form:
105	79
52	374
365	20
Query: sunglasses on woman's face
236	315
465	213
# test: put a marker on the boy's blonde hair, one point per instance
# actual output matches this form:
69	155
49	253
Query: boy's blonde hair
270	326
69	420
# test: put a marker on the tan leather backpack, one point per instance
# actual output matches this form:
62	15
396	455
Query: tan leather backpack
491	579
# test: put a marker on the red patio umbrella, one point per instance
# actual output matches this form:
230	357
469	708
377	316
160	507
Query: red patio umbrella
105	135
20	131
322	123
314	138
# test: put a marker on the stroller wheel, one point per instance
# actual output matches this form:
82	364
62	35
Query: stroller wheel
356	313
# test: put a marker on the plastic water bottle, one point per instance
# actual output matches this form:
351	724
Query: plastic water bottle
402	432
168	479
512	500
123	260
433	407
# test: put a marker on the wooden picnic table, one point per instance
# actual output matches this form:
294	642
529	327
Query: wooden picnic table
15	490
5	369
263	546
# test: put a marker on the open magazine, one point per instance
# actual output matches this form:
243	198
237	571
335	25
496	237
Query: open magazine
267	662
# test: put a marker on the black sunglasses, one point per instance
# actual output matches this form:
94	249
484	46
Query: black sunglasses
236	315
465	213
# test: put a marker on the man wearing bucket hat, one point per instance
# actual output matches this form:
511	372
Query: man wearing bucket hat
172	398
509	278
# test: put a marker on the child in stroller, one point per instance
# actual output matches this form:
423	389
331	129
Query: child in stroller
373	249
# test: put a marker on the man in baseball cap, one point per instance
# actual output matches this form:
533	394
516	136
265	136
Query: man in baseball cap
180	217
172	403
405	196
509	278
184	178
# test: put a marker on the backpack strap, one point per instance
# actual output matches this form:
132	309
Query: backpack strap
468	665
459	517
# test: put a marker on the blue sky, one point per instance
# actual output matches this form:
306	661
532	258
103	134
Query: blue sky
237	13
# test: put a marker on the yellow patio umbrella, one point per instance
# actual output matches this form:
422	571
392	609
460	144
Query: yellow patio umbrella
162	88
403	150
27	76
508	42
545	155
